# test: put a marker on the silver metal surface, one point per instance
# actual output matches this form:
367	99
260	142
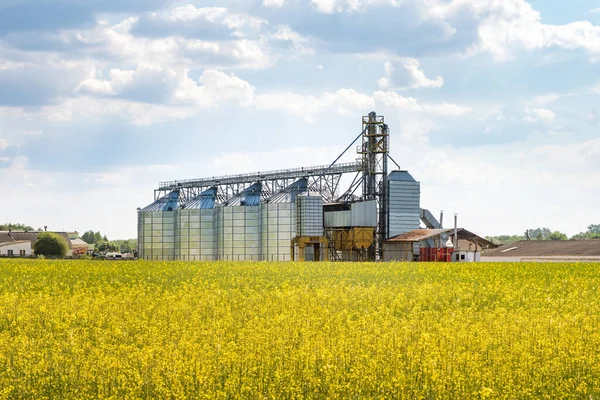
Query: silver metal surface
309	216
404	206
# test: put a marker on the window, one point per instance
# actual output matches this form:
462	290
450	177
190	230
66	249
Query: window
10	253
22	253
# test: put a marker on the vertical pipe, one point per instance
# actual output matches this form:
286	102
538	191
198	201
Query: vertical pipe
442	219
456	233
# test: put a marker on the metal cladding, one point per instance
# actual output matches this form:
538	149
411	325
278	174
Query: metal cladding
205	200
289	194
156	228
345	215
165	203
404	203
237	226
156	235
196	232
248	197
266	215
309	215
278	222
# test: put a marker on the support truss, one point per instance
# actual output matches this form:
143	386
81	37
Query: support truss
322	179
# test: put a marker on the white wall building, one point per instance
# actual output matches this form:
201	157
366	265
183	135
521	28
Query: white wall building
16	249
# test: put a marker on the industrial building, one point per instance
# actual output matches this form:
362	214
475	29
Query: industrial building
293	214
437	245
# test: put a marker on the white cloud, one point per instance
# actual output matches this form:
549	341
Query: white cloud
514	23
546	98
217	88
540	114
407	74
274	3
410	104
339	6
595	10
3	144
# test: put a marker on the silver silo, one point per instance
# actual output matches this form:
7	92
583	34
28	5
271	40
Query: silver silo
156	228
196	230
238	226
278	222
404	206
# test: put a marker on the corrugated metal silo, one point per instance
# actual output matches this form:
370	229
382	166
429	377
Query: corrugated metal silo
309	215
196	230
238	226
156	228
278	222
404	203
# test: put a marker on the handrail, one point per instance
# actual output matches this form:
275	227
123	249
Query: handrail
263	176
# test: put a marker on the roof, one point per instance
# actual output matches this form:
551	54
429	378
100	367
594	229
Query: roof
421	234
205	200
418	235
400	176
289	194
248	197
13	243
9	237
548	248
165	203
79	242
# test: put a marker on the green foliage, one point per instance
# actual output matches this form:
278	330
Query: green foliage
102	244
505	239
593	232
556	235
15	227
50	244
534	234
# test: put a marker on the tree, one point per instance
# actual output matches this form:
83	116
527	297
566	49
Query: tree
50	244
89	237
556	235
15	227
539	233
107	246
593	232
594	229
505	239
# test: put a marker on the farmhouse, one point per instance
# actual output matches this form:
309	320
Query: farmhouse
20	244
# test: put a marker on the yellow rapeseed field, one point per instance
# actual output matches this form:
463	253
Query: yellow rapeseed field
227	330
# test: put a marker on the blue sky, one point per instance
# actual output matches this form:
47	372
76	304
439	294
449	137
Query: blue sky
493	105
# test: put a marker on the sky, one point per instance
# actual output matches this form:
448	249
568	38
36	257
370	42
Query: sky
493	105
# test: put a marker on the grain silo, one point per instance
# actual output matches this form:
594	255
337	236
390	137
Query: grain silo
278	222
196	230
156	228
237	223
289	214
404	203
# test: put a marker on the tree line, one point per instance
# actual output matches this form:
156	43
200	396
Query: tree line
593	232
18	227
102	244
